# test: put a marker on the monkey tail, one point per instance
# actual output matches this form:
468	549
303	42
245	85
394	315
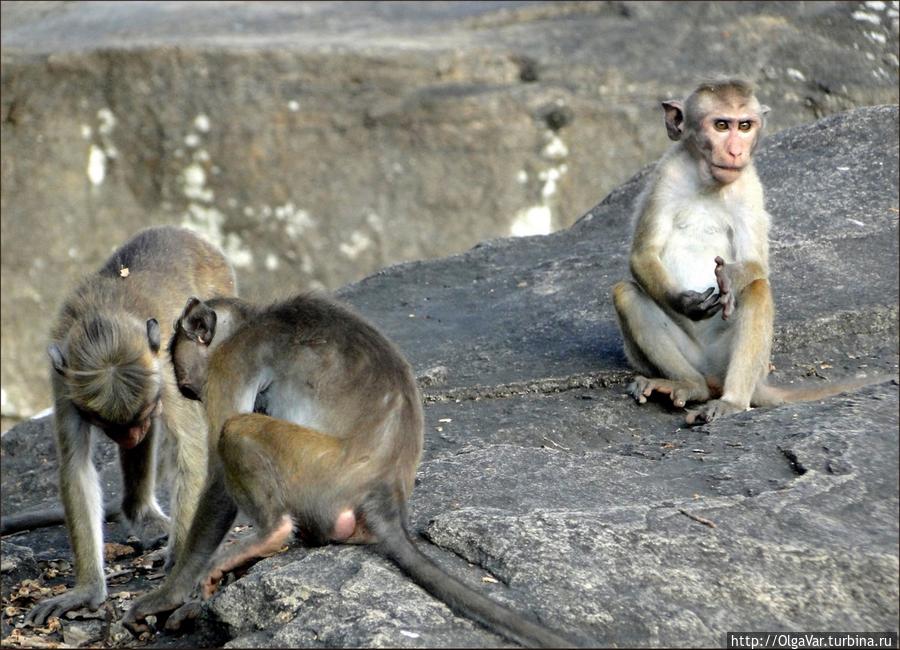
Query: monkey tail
53	516
385	517
767	395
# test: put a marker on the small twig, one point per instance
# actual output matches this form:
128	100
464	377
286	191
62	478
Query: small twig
557	444
699	520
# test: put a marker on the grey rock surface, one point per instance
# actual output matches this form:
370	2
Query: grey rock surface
318	142
543	486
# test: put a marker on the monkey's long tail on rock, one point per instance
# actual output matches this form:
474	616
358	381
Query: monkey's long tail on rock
385	518
767	395
53	516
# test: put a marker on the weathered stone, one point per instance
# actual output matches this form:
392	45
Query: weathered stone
318	142
547	489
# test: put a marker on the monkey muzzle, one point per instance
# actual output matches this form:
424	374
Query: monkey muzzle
188	391
129	437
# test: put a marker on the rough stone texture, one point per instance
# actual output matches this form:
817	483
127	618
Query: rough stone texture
318	142
545	487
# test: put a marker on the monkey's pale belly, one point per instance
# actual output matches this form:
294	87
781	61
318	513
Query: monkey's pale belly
693	269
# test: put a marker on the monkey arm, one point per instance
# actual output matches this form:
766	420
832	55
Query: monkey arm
79	487
214	516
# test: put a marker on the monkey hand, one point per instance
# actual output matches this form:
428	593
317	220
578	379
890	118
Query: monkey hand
90	596
696	305
726	288
164	599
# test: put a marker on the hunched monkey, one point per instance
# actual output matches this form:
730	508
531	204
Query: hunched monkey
107	375
701	248
344	474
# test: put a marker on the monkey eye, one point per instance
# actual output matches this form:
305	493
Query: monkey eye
720	125
745	125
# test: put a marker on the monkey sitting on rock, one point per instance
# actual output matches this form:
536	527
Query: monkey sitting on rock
700	250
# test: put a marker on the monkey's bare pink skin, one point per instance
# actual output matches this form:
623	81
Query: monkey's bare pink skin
344	526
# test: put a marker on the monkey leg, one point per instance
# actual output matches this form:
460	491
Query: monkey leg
656	345
749	351
264	543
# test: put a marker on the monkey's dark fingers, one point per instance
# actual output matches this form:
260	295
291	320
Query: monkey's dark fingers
189	611
91	597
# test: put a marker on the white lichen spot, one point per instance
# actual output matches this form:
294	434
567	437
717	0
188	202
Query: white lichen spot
192	140
249	211
271	261
358	243
306	264
4	401
266	211
866	17
72	253
208	221
86	131
535	220
522	177
795	74
293	106
201	155
96	166
194	182
231	202
295	220
550	178
201	123
375	222
555	149
107	121
238	254
879	38
876	5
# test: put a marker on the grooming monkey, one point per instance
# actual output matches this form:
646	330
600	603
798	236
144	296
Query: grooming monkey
701	249
344	474
107	375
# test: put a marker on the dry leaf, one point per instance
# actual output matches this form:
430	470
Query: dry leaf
113	551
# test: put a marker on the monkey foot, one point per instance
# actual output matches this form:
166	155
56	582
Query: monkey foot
710	411
680	392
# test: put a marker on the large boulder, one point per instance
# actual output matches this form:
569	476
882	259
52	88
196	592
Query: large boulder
543	486
318	142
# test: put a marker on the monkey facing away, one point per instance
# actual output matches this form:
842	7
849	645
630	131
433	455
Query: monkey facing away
701	249
107	375
334	455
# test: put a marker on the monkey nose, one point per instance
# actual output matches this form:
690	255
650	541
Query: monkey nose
188	391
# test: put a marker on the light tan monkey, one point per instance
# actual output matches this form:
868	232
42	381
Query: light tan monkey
343	475
108	375
701	249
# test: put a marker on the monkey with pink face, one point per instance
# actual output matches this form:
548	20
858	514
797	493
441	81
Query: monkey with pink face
700	250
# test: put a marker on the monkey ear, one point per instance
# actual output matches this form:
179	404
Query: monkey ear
57	359
203	325
674	119
763	109
153	334
192	302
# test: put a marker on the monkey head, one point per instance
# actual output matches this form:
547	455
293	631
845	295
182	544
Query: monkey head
110	368
189	347
720	124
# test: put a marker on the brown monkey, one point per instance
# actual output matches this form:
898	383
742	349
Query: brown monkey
701	248
107	375
343	475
